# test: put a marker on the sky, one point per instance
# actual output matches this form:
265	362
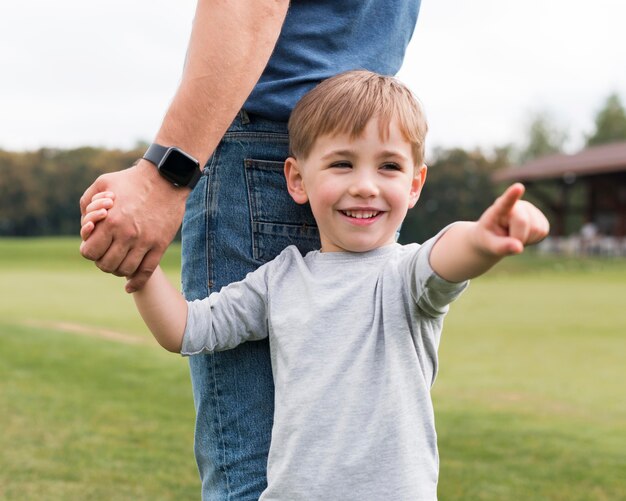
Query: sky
101	73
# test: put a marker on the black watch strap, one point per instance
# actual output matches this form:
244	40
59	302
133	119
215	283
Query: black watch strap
194	180
187	173
155	153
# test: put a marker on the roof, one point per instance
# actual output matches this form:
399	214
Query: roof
601	159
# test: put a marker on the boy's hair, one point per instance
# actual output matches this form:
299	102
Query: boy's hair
345	103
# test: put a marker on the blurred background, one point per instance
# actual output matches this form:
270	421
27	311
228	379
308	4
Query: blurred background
529	399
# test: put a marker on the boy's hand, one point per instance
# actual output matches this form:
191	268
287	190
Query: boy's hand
96	211
510	224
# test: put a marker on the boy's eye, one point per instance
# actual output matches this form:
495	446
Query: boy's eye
341	165
391	166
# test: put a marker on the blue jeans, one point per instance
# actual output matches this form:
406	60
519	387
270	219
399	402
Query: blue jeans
239	216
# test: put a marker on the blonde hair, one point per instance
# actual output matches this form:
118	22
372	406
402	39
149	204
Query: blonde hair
345	103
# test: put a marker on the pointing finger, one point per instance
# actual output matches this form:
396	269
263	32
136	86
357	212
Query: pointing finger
505	202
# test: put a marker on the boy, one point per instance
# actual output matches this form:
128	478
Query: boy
354	327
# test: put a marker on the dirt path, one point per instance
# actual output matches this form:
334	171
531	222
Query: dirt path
86	330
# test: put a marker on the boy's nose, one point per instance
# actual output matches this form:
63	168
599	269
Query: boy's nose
364	186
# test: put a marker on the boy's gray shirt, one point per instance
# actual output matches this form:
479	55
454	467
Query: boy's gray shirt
353	340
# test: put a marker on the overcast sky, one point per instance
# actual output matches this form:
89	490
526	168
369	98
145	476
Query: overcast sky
102	72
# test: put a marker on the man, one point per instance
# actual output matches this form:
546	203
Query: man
248	63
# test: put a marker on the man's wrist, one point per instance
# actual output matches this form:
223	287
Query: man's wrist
177	166
158	182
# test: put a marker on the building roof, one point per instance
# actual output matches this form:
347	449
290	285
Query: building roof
601	159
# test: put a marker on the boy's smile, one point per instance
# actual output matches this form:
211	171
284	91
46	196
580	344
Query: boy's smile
359	188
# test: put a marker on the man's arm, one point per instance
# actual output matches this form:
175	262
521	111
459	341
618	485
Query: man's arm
469	249
230	44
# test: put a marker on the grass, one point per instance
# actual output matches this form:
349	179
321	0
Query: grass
529	400
85	417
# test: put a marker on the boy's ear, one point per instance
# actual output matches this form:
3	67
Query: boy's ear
419	179
295	183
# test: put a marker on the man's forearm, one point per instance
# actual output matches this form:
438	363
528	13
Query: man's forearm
231	42
230	45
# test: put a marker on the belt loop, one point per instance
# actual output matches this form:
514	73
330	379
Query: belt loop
245	119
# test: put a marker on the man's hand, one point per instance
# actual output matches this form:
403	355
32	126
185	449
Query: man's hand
147	213
510	224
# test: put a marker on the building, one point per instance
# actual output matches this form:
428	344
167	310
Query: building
601	173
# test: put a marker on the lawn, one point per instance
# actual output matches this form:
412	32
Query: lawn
529	399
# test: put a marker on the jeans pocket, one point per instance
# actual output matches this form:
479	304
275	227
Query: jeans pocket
277	221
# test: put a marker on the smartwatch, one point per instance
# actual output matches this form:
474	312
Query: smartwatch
178	167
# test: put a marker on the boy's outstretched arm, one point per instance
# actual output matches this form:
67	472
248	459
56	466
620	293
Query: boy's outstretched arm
162	307
469	249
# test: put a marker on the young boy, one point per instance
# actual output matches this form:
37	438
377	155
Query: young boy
354	327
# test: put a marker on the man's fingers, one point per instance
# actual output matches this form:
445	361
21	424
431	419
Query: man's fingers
131	263
114	256
98	243
147	267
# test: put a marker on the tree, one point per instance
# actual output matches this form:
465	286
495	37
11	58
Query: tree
39	191
610	123
458	187
544	137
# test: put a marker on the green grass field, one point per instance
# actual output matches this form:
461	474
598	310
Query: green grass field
530	399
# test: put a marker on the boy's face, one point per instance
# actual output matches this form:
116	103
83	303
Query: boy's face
359	189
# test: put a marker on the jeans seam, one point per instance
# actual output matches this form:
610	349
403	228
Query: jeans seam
254	249
218	414
273	137
210	203
210	212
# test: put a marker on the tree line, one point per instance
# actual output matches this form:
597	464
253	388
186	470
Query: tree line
40	190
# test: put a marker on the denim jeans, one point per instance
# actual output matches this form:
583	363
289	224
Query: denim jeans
239	216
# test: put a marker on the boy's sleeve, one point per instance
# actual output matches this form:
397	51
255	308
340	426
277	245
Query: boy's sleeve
432	293
225	319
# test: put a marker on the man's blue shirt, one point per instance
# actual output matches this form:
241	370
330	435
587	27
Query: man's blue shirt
321	38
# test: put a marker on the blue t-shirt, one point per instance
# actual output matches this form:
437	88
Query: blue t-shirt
321	38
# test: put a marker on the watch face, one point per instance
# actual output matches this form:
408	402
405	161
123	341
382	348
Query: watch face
178	167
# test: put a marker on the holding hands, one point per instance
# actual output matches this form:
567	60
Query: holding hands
95	210
132	240
161	305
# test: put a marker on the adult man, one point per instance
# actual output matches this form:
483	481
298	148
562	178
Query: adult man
248	63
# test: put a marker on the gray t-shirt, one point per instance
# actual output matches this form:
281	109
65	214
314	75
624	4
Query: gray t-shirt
353	340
